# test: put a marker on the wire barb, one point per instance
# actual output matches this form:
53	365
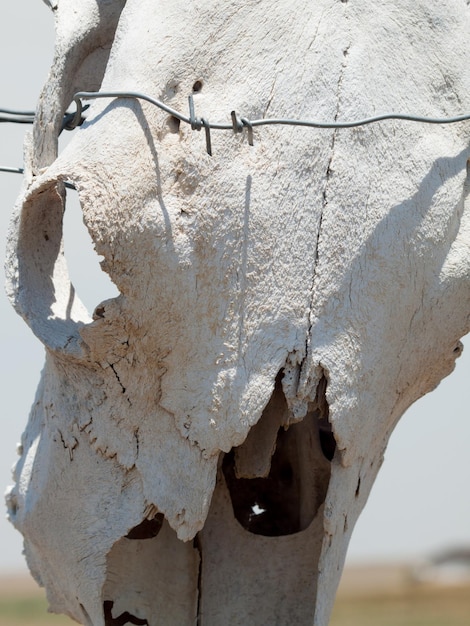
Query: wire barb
207	128
197	123
193	120
249	126
238	123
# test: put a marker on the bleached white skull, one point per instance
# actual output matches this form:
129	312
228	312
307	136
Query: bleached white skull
202	447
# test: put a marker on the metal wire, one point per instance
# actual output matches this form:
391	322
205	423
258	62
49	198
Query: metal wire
20	170
239	123
12	170
18	117
11	112
27	117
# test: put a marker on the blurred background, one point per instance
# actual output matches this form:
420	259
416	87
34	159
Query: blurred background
420	505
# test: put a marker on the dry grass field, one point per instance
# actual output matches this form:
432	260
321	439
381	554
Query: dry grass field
379	596
23	603
388	596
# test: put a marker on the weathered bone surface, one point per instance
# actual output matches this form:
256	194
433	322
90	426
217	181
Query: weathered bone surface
202	447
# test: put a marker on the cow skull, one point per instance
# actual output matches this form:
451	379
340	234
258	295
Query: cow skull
201	448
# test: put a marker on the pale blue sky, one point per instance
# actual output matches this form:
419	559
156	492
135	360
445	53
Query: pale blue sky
420	502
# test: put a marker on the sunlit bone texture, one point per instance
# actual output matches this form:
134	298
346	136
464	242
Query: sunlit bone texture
200	449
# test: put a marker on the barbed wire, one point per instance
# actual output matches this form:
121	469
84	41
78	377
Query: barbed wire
18	117
237	125
28	117
20	170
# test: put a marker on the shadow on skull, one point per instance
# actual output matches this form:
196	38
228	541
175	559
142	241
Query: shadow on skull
269	490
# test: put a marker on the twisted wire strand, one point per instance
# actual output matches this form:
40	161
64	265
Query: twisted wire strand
11	170
20	170
17	117
197	122
28	117
237	125
12	112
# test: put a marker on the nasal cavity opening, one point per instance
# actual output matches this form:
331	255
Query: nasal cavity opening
124	618
288	498
325	430
91	284
147	529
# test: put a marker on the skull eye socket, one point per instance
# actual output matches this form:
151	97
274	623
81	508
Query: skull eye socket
91	283
38	276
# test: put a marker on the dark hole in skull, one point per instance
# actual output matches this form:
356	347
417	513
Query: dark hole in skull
147	529
327	439
173	124
287	497
122	619
325	431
